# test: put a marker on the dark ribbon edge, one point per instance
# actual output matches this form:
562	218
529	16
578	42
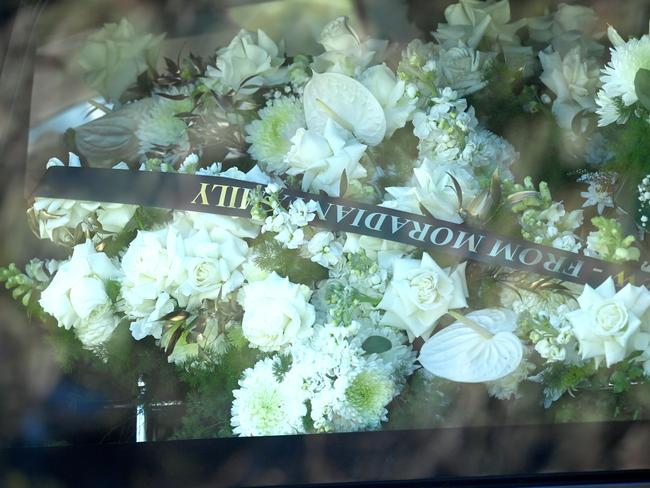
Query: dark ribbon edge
191	192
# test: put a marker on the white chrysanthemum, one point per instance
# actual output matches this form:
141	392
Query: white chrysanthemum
618	75
366	397
160	128
263	405
270	135
507	387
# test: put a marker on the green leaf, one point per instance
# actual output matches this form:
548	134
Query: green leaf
344	183
113	290
376	345
642	87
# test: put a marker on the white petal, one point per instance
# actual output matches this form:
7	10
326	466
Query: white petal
460	353
348	102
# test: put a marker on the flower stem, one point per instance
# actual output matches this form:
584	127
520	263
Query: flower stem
475	326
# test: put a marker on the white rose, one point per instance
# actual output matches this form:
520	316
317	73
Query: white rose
276	312
56	219
77	298
209	267
113	217
322	159
249	62
150	313
573	79
344	52
436	191
98	329
146	265
216	224
421	292
462	68
390	92
87	295
610	324
114	57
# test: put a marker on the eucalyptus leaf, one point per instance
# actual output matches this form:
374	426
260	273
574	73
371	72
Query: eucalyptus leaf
642	87
376	345
110	139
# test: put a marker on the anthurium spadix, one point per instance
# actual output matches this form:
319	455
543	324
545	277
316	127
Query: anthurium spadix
476	348
348	103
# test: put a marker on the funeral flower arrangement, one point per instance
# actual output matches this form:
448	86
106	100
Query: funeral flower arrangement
299	329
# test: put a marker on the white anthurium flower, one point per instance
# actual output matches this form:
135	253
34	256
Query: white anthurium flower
322	159
477	348
333	96
420	292
277	312
610	325
249	62
573	79
344	52
391	94
436	191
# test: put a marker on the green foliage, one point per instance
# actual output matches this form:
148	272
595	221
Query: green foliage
211	394
25	287
424	402
611	243
505	89
376	345
626	373
559	379
282	366
642	87
272	256
630	144
396	157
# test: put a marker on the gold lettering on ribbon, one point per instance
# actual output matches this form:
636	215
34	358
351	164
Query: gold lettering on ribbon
227	196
